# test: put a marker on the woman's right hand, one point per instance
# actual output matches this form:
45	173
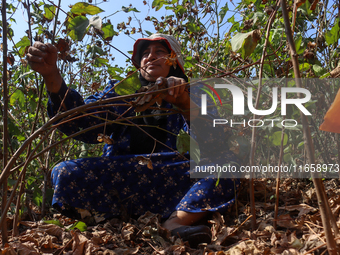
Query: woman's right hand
43	59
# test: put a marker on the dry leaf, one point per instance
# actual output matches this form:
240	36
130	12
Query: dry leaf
144	102
127	231
172	60
63	47
126	251
314	4
83	213
302	208
245	247
52	229
104	138
286	221
144	161
299	3
95	86
79	243
27	248
10	59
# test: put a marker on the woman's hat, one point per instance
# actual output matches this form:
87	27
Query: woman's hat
170	41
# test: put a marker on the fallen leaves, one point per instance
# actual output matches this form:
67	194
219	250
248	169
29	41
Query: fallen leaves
299	231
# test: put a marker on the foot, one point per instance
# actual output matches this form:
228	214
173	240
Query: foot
195	235
181	218
179	223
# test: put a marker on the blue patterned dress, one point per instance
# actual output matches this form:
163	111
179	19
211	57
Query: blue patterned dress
117	183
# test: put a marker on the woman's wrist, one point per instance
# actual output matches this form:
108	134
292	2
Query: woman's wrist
53	81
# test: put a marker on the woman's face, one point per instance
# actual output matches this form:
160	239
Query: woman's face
153	62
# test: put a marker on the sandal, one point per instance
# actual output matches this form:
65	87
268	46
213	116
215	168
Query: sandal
193	234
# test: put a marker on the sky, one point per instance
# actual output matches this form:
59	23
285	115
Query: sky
122	42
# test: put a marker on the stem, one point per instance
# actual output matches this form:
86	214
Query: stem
253	134
5	116
277	192
46	172
325	211
55	22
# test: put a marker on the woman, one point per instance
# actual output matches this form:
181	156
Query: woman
115	183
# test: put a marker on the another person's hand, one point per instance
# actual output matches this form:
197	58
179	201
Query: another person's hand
43	59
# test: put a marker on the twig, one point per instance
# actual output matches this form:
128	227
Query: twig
146	224
56	22
235	230
46	172
315	233
325	211
62	250
311	223
318	247
253	134
277	191
4	119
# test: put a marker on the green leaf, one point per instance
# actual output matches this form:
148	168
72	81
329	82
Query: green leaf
49	11
223	12
192	27
318	70
180	9
325	75
107	28
258	17
332	36
288	159
158	4
129	9
275	138
78	225
305	9
304	67
94	51
22	44
245	43
96	22
298	45
185	143
85	8
78	27
113	70
18	98
11	182
38	16
54	222
129	86
148	32
25	74
276	36
100	62
37	196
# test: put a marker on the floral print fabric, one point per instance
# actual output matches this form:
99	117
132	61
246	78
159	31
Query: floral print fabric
117	183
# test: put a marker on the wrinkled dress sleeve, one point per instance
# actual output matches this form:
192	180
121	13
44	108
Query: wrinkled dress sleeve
67	99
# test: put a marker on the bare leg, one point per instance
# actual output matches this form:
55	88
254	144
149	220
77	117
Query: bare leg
181	218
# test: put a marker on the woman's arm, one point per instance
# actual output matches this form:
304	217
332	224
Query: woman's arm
42	59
